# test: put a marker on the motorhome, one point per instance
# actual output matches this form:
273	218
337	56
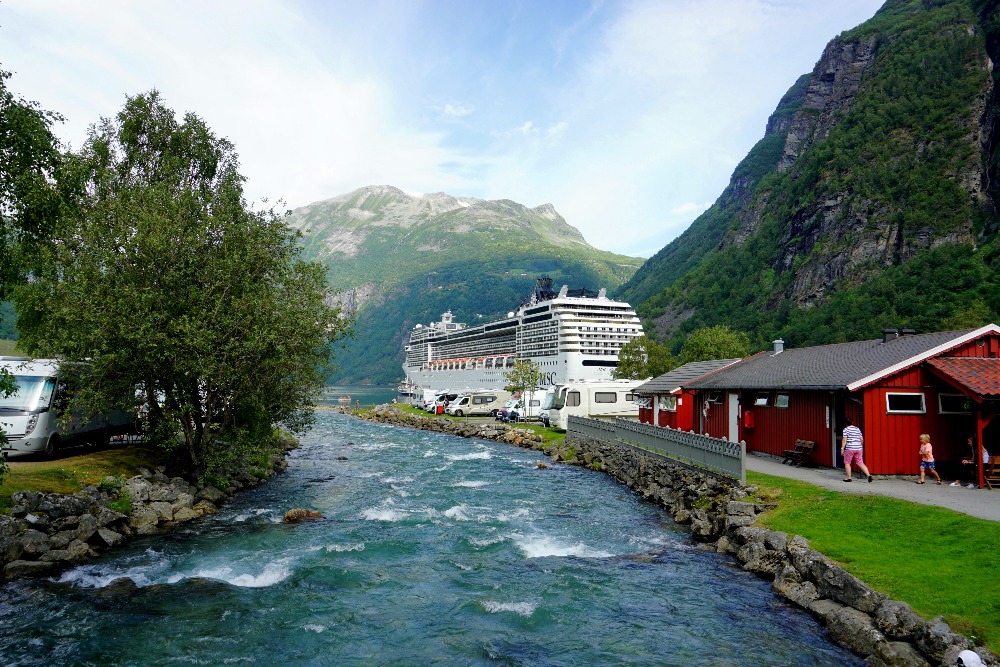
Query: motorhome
478	404
597	400
30	417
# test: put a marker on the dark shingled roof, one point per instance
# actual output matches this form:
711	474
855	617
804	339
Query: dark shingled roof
682	375
827	366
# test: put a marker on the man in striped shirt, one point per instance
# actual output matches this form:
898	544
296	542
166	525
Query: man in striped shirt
852	448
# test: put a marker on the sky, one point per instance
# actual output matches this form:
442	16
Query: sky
628	116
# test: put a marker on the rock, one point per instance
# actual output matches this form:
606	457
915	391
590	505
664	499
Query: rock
138	489
87	526
108	516
24	569
110	538
897	621
725	546
834	582
938	638
209	493
788	583
39	521
75	553
143	520
736	521
164	509
122	587
205	507
900	654
35	542
735	507
10	549
854	629
298	514
186	514
682	517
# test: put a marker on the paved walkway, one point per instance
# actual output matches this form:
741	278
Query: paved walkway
982	503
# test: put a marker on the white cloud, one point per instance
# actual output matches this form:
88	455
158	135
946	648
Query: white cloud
457	110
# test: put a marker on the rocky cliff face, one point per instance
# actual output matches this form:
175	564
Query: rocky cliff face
885	159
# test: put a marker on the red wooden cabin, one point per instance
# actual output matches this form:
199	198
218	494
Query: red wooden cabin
945	384
664	401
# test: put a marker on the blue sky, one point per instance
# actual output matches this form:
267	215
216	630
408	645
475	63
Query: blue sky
627	116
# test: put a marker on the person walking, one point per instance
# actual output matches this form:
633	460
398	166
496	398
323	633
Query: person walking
852	449
927	458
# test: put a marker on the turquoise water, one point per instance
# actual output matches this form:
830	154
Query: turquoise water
434	550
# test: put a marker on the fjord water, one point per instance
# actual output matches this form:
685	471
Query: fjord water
433	550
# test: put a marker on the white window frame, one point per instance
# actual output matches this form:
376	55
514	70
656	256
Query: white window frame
763	399
941	409
779	403
668	403
890	411
605	397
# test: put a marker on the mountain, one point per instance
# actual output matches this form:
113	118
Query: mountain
398	259
868	203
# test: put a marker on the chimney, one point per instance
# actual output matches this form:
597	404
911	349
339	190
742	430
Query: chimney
779	346
907	332
889	334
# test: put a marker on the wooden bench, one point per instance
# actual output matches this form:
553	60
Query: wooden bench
800	454
992	473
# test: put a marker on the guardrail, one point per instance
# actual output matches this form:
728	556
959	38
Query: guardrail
716	454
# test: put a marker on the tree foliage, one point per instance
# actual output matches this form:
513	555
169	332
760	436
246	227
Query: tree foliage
167	281
30	160
525	378
642	358
718	342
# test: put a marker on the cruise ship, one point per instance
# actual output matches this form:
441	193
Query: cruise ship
572	335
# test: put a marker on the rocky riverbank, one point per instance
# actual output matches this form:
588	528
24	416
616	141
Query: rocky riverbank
47	532
721	514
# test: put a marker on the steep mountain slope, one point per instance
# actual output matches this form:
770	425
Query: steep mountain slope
399	259
876	211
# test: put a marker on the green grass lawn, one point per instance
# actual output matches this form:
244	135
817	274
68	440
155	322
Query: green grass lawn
8	348
72	473
939	561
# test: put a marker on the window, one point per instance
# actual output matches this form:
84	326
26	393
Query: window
954	404
605	397
781	401
668	403
715	397
629	397
905	403
763	399
572	399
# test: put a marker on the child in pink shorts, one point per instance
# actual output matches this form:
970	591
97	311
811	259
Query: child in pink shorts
927	458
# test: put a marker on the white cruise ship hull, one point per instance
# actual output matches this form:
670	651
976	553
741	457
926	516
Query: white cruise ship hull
571	337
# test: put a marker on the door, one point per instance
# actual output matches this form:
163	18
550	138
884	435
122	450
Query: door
734	417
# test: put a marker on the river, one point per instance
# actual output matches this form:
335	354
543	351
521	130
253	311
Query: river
433	550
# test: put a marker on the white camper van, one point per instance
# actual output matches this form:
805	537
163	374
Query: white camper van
598	400
30	416
477	404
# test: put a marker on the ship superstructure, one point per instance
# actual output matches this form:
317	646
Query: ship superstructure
572	335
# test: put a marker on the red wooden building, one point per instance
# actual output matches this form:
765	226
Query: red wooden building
946	384
663	401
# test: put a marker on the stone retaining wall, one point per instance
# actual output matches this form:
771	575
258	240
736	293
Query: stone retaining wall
47	532
720	514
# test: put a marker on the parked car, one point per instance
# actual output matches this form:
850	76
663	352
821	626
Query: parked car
477	403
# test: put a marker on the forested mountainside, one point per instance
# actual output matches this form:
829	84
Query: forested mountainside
399	259
870	202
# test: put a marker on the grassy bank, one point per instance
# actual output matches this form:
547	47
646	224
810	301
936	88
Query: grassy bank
939	561
72	473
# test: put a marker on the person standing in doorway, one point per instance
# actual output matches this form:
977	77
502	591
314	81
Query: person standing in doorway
852	449
927	458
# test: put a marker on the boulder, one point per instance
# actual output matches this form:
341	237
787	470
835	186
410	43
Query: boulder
110	537
76	552
900	654
299	514
834	582
897	621
186	514
24	569
938	638
10	549
209	493
87	526
35	542
854	629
